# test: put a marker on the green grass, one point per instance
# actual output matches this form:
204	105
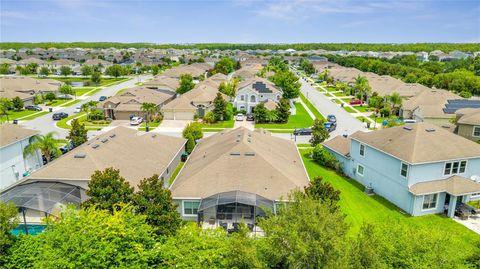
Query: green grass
71	103
58	102
152	126
218	125
13	115
475	204
304	145
35	115
349	109
122	91
94	91
312	108
300	120
175	173
360	208
362	108
79	91
331	89
282	131
104	82
63	122
339	94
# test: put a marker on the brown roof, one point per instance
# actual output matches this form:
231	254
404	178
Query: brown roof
63	62
469	116
204	92
196	70
163	80
430	102
270	104
136	156
339	144
11	133
249	83
246	72
454	185
15	86
241	160
132	99
419	143
97	61
31	60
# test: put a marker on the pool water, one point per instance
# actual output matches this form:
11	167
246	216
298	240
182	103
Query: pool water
33	229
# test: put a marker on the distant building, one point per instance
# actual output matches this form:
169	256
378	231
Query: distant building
255	91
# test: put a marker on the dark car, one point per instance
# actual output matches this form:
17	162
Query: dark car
33	107
330	126
102	98
250	117
331	118
303	131
59	116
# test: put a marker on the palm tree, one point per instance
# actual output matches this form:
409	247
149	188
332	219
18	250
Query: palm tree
395	100
5	105
47	144
88	107
361	84
148	109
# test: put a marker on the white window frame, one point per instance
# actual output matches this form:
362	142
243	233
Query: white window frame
360	150
242	97
475	195
183	208
363	170
473	131
452	165
436	202
401	169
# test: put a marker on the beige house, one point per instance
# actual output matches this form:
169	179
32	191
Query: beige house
129	103
468	123
27	87
163	82
196	70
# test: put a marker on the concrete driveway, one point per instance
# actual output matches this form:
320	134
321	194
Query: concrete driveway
250	125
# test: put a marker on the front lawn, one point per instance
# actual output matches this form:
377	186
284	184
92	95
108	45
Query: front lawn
219	125
71	103
122	91
63	122
339	94
349	109
13	115
57	102
300	120
175	173
360	208
33	116
79	91
152	125
87	80
94	91
362	108
312	108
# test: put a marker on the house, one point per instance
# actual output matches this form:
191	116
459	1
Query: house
27	87
468	123
412	166
254	91
237	175
196	70
163	82
64	180
57	64
129	103
98	62
14	164
28	61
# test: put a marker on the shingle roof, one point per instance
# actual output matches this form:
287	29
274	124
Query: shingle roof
136	156
259	85
15	86
419	143
454	185
430	102
339	144
162	80
11	133
204	92
469	116
243	160
132	99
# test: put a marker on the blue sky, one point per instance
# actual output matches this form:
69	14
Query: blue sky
241	21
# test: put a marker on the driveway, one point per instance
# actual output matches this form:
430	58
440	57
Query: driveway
250	125
45	123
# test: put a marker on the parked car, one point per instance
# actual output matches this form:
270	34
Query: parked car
65	96
356	102
331	118
59	115
67	147
136	120
239	117
77	109
409	121
303	131
102	98
250	117
33	107
330	126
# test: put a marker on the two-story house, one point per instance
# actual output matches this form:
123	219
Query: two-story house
14	165
421	168
468	123
254	91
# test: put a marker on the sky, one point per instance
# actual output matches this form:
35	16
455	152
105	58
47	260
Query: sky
241	21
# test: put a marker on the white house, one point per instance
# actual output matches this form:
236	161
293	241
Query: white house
254	91
13	165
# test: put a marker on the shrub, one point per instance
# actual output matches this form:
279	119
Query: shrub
195	129
323	157
96	115
50	96
385	112
465	94
209	117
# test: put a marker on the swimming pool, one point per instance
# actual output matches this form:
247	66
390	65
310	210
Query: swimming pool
33	229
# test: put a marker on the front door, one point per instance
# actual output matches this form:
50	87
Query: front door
201	111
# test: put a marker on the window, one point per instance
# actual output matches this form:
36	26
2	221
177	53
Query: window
252	98
362	150
360	169
476	131
404	170
475	195
190	207
430	201
242	98
452	168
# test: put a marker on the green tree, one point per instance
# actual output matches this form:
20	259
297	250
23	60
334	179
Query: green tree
114	70
225	66
96	77
220	108
362	86
229	87
288	82
366	250
319	133
8	221
32	68
4	69
77	134
186	83
17	103
44	71
23	70
89	107
67	89
395	101
5	105
87	238
190	143
107	189
155	70
307	66
194	129
86	70
318	189
65	70
283	110
321	156
260	113
149	109
154	201
47	144
50	96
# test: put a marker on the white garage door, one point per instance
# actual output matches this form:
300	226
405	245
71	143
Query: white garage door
183	115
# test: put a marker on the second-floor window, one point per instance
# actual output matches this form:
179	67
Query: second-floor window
404	170
242	98
476	131
362	150
453	168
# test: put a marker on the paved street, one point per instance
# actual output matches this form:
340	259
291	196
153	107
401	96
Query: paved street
45	123
346	123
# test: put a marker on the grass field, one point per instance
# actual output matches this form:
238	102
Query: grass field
79	91
175	173
349	109
339	94
71	103
300	120
360	208
312	108
13	115
152	126
218	125
33	116
94	91
87	81
122	91
63	122
58	102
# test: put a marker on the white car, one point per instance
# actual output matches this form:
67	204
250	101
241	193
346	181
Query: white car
239	117
77	109
136	120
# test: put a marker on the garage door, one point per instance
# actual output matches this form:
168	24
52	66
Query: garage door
183	115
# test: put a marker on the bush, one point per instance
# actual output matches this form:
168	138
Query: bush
385	112
50	96
323	157
195	129
466	94
157	118
96	115
209	118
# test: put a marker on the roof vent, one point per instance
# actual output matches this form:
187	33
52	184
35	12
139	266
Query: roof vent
80	155
249	140
235	153
95	146
408	128
112	135
154	135
104	140
446	126
239	135
430	130
238	140
249	153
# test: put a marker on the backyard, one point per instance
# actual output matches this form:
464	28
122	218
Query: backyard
300	120
360	208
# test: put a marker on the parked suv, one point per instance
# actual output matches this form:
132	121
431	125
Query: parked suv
331	118
330	126
59	115
303	131
33	107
